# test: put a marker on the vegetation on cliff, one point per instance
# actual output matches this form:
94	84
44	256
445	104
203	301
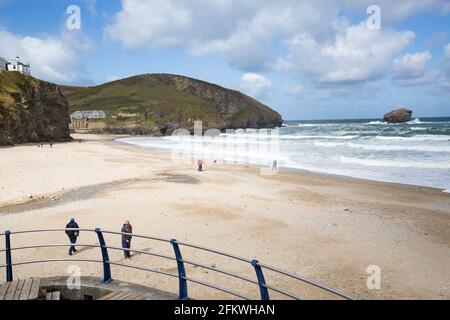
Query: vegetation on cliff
161	103
31	110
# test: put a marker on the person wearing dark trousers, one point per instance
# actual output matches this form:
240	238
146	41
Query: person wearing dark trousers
127	230
73	235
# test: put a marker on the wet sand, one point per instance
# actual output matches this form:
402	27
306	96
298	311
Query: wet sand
323	227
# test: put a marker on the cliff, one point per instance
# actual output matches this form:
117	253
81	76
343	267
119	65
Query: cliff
160	103
31	110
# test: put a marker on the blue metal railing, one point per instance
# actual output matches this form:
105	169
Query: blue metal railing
182	277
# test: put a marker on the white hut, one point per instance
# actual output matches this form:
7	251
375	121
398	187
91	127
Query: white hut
18	66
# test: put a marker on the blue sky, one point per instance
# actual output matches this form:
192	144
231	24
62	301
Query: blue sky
307	60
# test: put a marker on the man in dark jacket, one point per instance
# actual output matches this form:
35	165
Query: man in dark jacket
127	230
72	234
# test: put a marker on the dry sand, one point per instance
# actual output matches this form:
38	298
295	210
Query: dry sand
325	228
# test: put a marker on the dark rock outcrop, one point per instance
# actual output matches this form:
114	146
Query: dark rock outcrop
402	115
31	110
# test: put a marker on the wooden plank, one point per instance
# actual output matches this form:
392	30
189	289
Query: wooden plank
119	296
11	290
53	295
110	296
126	296
26	290
3	290
34	292
18	290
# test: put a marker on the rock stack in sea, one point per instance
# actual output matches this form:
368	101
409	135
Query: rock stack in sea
401	115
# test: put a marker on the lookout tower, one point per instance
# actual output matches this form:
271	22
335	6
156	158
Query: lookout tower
18	66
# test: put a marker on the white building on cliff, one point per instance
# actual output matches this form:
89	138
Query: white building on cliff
15	65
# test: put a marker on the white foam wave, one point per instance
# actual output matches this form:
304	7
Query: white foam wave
377	123
395	163
415	121
369	147
417	138
307	137
419	129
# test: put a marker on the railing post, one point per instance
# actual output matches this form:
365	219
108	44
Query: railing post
106	266
261	280
9	270
183	290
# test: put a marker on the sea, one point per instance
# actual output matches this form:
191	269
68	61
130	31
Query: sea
416	153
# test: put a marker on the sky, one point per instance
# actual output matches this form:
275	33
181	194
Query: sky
321	59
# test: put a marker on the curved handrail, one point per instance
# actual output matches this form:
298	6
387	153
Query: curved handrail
313	283
222	253
55	260
51	230
180	261
137	236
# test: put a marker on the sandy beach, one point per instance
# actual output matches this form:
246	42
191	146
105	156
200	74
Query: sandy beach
326	228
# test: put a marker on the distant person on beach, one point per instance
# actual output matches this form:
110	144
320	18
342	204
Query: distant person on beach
127	230
51	144
73	235
275	165
200	165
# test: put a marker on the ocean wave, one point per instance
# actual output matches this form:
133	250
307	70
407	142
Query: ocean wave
419	129
412	122
416	138
377	123
415	121
307	137
369	147
395	163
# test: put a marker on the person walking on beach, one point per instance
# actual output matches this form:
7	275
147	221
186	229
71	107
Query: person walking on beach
200	165
275	165
73	235
127	230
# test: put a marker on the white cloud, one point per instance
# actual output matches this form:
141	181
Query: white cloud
241	31
112	78
256	85
52	59
91	6
447	57
357	91
411	65
303	38
356	54
412	70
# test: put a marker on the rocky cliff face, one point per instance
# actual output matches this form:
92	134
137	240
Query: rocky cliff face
31	110
234	108
402	115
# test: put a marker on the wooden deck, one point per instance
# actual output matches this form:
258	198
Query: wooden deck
121	296
20	289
